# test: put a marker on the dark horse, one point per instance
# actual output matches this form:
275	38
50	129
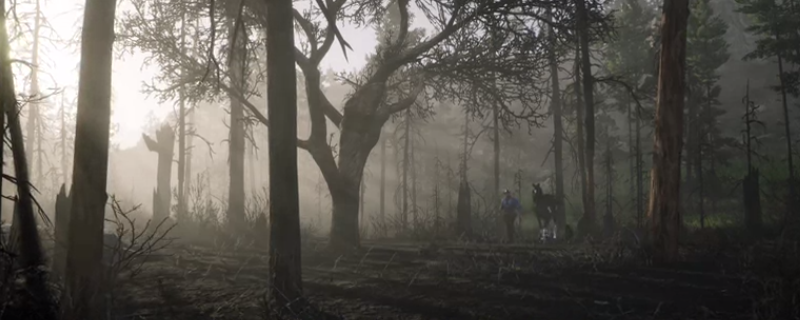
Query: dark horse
546	206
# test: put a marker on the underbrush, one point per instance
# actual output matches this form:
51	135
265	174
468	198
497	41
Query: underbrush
129	245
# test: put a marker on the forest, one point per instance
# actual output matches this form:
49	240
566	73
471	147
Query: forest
397	159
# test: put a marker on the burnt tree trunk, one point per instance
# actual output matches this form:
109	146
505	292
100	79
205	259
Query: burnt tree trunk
90	165
665	179
31	257
285	275
164	147
587	221
236	144
62	231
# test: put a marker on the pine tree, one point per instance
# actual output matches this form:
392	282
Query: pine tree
776	23
630	58
706	52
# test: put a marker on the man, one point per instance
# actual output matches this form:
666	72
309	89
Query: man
511	209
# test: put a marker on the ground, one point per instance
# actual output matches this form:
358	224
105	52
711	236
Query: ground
393	280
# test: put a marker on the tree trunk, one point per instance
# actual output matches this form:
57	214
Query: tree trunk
236	144
406	160
187	181
664	207
496	152
61	232
345	199
33	134
164	146
558	128
579	111
90	166
383	183
608	219
639	174
750	185
691	148
587	222
285	275
463	205
413	172
31	257
181	212
63	137
787	127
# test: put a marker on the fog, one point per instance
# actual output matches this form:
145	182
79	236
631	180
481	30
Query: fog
438	137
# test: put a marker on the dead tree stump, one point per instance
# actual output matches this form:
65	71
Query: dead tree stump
164	146
61	232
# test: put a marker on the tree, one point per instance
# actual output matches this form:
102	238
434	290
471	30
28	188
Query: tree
776	25
31	257
90	166
587	221
664	207
34	125
237	66
629	59
452	64
558	127
707	50
285	276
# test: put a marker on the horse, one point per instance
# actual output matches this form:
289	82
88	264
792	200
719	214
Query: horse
547	206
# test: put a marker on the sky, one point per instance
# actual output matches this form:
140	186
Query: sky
131	108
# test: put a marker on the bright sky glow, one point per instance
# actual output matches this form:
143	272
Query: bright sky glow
131	106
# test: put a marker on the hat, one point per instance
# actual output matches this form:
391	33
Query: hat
505	191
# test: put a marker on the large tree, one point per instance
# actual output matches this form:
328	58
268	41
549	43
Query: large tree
664	207
284	257
452	63
90	169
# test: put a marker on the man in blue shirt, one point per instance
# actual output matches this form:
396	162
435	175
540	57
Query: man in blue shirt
511	209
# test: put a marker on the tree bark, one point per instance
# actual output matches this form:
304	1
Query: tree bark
579	112
90	166
236	143
587	222
665	178
285	275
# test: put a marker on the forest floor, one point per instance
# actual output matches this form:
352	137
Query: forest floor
395	280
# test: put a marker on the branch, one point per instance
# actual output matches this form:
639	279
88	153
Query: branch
406	102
